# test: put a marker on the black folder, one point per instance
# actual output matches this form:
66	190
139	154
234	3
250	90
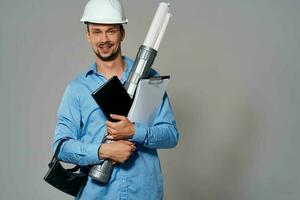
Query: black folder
113	98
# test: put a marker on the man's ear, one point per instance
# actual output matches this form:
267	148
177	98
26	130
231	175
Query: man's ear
87	35
122	34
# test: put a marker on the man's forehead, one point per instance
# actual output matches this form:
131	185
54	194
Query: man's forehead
103	26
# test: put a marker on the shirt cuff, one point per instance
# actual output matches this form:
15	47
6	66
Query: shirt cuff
92	151
140	133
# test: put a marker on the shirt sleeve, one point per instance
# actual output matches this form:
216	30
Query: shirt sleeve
69	126
163	133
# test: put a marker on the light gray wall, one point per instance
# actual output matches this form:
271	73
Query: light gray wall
234	89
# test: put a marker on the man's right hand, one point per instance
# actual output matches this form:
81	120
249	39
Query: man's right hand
117	151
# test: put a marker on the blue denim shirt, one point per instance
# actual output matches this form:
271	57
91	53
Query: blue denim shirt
81	120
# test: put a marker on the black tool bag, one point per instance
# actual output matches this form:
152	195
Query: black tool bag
67	180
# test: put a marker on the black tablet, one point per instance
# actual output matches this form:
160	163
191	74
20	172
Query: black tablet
113	98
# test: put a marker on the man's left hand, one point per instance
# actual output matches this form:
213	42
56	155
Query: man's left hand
123	129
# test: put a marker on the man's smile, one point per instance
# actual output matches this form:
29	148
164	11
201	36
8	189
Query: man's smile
105	48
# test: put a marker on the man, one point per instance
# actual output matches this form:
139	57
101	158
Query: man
137	172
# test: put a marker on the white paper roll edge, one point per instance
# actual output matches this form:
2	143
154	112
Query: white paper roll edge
157	24
162	32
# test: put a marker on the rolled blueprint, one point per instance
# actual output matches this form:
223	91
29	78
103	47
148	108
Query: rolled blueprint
162	32
157	24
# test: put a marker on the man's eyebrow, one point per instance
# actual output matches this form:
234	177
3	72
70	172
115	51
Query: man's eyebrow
95	29
98	29
112	28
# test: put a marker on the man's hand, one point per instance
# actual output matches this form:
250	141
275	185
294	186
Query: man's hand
123	129
117	151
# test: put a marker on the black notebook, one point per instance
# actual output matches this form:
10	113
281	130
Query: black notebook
113	98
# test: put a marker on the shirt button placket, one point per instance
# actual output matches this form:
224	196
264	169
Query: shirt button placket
124	189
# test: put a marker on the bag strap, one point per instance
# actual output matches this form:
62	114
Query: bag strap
59	146
74	169
54	158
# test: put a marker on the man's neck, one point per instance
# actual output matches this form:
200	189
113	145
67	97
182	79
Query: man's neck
112	68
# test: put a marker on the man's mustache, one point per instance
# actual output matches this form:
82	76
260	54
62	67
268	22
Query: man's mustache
104	44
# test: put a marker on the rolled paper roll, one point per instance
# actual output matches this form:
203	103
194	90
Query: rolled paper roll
162	32
157	24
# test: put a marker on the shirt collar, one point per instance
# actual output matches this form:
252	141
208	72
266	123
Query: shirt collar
92	70
128	65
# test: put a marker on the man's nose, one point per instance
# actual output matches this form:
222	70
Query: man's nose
104	37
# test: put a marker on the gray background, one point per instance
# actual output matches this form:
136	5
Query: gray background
234	89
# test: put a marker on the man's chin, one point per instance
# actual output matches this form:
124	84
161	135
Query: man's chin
108	57
104	56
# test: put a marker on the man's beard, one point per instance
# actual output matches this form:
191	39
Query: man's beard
110	57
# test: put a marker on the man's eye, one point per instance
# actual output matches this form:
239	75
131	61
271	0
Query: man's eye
111	32
96	32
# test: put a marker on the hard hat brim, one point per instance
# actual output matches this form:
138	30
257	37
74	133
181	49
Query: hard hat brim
103	21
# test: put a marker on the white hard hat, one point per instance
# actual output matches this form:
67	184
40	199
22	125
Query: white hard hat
104	12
